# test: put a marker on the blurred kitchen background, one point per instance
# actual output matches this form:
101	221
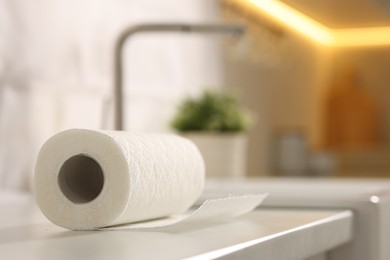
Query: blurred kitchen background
315	74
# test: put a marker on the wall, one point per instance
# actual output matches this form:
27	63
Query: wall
372	65
56	70
284	97
292	95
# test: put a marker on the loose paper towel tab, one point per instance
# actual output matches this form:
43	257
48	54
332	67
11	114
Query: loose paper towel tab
211	211
88	179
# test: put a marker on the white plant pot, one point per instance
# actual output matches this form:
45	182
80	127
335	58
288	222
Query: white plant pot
224	153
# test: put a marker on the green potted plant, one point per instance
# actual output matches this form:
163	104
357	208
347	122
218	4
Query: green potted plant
217	124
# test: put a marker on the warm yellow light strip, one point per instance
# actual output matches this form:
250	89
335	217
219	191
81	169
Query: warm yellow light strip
294	19
297	21
355	37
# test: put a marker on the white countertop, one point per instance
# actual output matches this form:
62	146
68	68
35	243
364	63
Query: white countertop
269	233
369	199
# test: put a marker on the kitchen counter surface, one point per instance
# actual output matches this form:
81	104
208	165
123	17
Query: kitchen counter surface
262	234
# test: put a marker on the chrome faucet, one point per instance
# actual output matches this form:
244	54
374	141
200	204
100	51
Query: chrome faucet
234	29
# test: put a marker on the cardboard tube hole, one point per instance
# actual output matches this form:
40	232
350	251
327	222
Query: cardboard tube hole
81	179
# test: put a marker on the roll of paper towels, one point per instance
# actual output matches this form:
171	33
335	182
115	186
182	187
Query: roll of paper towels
87	179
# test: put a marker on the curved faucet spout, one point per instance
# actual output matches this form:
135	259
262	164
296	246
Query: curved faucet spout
234	29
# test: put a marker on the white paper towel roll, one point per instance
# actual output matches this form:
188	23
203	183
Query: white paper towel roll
86	179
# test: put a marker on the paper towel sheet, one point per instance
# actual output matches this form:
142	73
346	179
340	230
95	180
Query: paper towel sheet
210	212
